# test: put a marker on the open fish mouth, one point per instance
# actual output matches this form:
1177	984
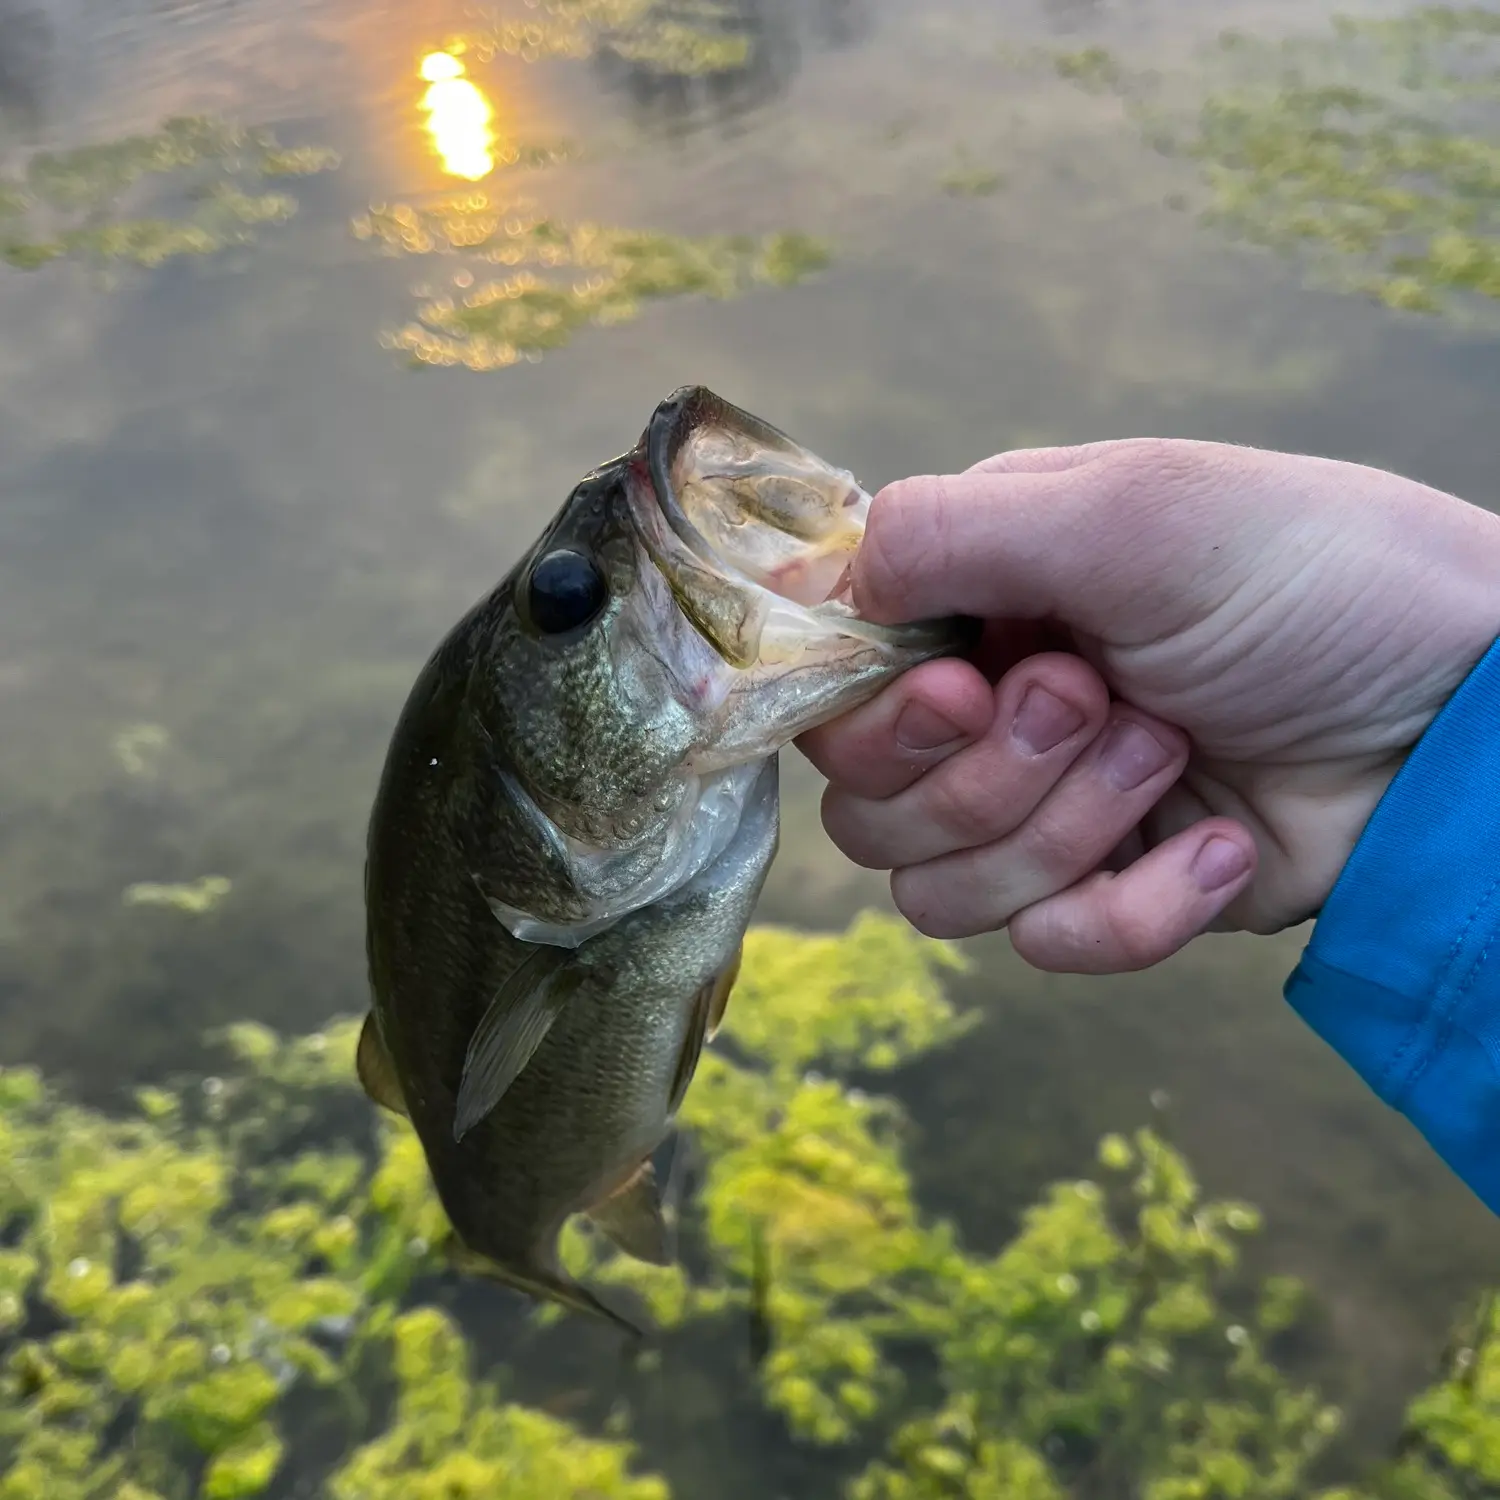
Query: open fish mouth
739	614
755	535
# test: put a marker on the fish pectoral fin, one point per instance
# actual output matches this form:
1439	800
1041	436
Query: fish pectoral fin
632	1217
708	1011
519	1015
542	1285
377	1073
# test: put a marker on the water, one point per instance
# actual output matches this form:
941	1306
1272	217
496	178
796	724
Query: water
234	523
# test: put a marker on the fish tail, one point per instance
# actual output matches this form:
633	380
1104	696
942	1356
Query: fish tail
546	1286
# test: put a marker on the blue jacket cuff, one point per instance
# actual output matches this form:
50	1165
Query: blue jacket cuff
1402	975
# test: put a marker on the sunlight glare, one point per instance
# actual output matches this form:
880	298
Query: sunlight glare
458	118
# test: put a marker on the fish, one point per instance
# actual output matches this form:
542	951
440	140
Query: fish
576	815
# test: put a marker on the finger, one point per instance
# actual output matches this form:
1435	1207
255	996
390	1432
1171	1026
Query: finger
1044	714
924	717
1039	460
1116	923
1085	817
1112	541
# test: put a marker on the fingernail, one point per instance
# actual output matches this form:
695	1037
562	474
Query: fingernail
1219	863
1043	721
1132	755
923	728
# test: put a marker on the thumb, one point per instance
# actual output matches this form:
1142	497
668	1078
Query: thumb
1099	537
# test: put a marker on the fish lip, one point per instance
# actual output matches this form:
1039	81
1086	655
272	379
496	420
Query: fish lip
672	423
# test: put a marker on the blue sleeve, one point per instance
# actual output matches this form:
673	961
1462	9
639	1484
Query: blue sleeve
1402	975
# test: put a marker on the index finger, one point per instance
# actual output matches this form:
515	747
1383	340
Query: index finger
923	717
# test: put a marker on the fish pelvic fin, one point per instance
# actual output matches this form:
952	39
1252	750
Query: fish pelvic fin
719	996
632	1217
377	1073
542	1285
704	1018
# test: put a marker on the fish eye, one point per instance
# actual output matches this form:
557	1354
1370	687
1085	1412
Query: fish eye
567	590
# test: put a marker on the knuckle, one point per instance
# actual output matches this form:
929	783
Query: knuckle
1064	849
821	746
961	806
846	822
921	903
913	900
1041	940
1136	935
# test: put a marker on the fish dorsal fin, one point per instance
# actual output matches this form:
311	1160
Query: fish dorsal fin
632	1217
377	1073
519	1015
721	990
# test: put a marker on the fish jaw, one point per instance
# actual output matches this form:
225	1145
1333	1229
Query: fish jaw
755	538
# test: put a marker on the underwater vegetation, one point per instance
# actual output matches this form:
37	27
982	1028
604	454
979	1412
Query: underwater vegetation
1377	150
239	1290
560	277
196	898
689	38
1373	151
968	179
86	203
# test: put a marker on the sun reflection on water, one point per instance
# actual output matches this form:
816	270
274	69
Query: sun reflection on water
458	118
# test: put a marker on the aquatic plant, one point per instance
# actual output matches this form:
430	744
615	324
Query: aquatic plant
561	277
196	897
237	1290
88	203
1371	150
966	178
1374	150
690	38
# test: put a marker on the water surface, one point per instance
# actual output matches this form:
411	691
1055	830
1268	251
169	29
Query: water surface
233	521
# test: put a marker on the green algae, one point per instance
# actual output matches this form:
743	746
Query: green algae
689	39
86	203
1371	152
196	1301
89	205
194	897
560	277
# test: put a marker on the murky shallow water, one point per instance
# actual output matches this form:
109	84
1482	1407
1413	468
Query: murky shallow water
232	524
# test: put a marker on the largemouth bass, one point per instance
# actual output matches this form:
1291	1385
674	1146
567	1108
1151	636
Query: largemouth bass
576	816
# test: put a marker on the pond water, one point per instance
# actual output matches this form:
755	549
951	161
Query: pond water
235	516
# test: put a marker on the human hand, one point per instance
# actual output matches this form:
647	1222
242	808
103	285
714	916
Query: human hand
1202	666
